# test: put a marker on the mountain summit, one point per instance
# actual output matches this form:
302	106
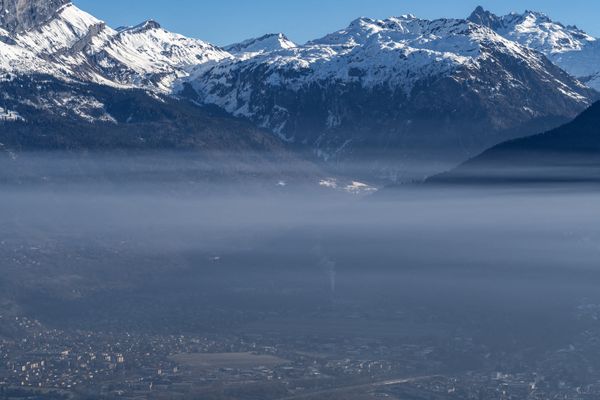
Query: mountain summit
535	30
267	43
485	18
20	15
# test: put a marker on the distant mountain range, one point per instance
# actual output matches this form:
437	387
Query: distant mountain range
399	91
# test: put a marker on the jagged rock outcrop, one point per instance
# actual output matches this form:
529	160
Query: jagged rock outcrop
20	15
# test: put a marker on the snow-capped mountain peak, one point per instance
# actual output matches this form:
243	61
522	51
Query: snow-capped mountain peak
395	52
264	44
539	16
484	17
450	42
68	27
80	46
567	46
535	30
144	26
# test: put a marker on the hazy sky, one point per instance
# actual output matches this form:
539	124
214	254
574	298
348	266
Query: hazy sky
226	21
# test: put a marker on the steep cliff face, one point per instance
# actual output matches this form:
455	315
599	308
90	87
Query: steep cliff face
20	15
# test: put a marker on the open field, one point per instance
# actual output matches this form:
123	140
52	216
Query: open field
227	360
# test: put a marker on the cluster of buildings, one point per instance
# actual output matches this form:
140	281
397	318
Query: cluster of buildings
35	359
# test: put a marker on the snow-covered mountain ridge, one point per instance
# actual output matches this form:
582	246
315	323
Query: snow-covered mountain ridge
72	44
434	90
415	87
264	44
567	46
397	53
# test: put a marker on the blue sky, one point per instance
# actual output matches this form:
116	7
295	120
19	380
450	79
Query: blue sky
226	21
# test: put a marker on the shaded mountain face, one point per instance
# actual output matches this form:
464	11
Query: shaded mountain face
486	18
64	132
418	90
43	113
20	15
569	47
569	153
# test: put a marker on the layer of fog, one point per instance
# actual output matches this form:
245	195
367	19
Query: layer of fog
527	255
